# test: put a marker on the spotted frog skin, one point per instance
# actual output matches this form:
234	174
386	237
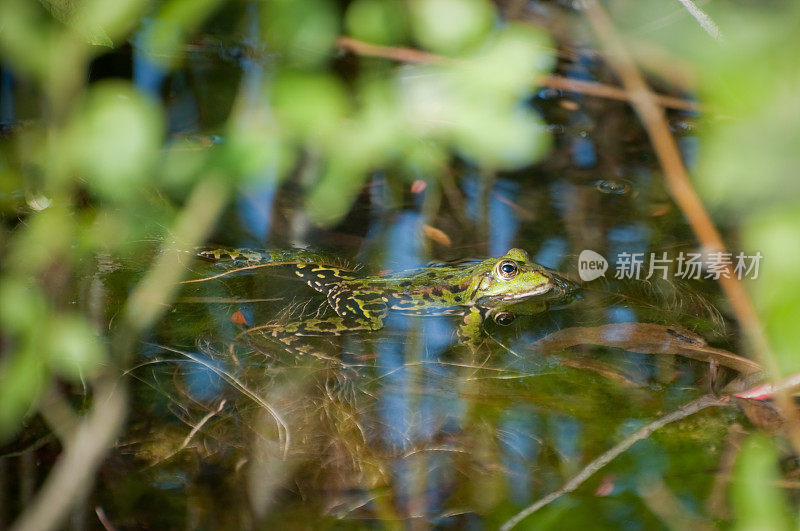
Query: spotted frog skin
362	302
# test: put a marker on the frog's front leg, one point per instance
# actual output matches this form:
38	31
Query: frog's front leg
471	328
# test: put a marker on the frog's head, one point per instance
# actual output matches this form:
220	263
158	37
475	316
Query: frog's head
511	278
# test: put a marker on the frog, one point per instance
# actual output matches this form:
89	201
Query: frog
471	289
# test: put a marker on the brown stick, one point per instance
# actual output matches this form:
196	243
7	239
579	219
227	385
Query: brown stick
679	186
601	90
590	88
403	55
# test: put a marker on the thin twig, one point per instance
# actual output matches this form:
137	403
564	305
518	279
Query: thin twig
601	90
222	300
196	429
703	19
590	88
238	270
104	521
396	53
589	470
682	191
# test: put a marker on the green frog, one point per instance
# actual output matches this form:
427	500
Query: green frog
474	289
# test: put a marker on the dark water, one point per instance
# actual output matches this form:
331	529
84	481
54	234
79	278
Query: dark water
408	424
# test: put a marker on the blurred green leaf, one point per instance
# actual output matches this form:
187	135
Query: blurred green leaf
377	21
311	105
26	37
510	62
46	237
184	160
117	139
428	99
776	291
758	503
70	13
112	20
304	32
765	176
376	132
22	305
477	103
74	349
500	138
332	197
756	60
451	26
175	21
22	378
424	157
256	153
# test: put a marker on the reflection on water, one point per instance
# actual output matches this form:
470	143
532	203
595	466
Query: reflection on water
410	423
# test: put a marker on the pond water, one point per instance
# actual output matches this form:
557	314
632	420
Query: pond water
410	424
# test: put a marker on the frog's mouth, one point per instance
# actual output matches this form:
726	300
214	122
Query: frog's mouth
510	298
541	289
557	286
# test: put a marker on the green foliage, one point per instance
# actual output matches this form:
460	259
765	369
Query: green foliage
27	38
73	347
115	140
174	23
757	500
45	341
451	26
305	32
310	106
377	21
22	380
472	107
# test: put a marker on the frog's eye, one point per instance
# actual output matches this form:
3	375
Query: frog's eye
507	269
504	318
